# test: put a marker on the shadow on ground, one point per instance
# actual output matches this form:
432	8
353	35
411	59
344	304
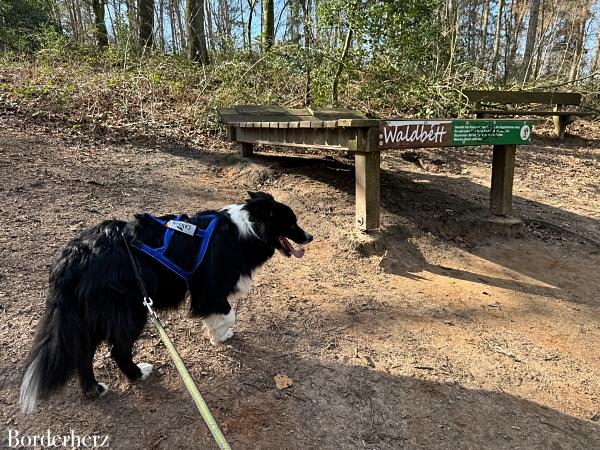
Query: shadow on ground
446	208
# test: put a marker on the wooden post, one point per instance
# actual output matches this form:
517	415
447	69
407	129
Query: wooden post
503	169
560	123
246	149
367	190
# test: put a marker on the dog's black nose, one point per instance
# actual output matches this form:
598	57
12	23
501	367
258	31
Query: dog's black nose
309	237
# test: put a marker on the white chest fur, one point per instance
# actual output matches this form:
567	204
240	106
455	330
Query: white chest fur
242	288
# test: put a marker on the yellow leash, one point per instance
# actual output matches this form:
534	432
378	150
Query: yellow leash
183	372
191	386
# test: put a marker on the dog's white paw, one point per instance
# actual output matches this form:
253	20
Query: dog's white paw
216	339
228	335
104	389
146	370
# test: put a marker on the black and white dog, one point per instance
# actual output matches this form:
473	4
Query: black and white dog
94	297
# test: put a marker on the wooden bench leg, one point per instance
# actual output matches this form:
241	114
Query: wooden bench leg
503	169
246	149
367	190
560	124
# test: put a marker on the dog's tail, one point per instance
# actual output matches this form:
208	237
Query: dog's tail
53	358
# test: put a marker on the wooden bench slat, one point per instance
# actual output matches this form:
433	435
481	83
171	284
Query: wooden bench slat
500	112
358	123
258	109
336	113
548	98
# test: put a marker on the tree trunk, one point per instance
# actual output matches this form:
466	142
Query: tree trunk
579	40
306	5
99	24
269	24
146	20
161	24
243	25
209	24
172	27
484	32
540	43
534	13
180	27
496	50
196	40
251	5
596	62
132	18
338	72
518	14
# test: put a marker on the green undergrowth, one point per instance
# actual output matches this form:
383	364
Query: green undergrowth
118	89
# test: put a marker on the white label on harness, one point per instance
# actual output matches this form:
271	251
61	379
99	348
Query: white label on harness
184	227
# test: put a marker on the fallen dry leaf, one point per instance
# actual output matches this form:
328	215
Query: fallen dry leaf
282	381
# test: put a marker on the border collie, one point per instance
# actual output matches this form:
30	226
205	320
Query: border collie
93	295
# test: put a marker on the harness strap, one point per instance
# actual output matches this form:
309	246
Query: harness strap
158	253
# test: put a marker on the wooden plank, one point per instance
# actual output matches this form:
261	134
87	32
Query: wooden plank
230	118
503	168
346	139
358	123
547	98
367	190
517	112
336	113
258	109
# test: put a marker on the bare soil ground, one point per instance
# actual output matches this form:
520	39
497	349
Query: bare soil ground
435	333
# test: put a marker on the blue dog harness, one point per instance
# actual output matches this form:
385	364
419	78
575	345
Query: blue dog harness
158	254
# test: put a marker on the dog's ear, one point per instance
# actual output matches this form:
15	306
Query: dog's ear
258	195
261	208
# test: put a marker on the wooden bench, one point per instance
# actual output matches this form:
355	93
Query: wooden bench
346	130
320	128
495	103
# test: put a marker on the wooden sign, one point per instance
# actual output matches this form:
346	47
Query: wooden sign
455	132
415	133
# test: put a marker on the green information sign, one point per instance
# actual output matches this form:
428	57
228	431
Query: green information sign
453	132
490	131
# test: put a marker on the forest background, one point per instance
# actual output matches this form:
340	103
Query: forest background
171	63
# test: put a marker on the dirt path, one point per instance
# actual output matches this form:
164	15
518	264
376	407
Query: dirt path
433	335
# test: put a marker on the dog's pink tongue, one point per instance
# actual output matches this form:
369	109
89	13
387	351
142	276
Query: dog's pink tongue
298	253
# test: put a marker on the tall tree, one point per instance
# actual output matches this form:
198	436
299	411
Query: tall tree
196	41
146	23
534	13
580	31
99	24
484	33
269	24
596	61
497	33
251	6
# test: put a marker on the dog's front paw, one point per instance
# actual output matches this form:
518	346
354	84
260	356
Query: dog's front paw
216	339
146	370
